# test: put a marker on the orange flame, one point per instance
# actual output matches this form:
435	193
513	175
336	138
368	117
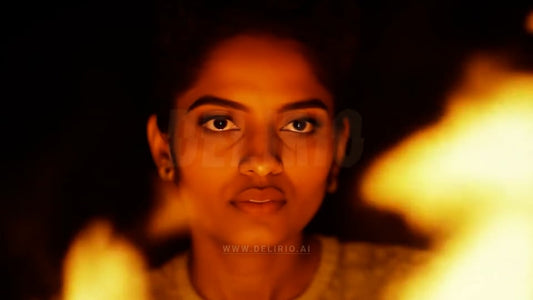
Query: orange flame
468	180
169	218
101	265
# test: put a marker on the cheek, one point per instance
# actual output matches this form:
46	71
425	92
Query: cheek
203	189
307	154
207	164
196	148
309	191
204	166
307	166
309	181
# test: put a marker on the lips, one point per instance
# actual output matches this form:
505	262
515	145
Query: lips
259	200
259	195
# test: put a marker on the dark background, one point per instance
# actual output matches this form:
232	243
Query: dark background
75	95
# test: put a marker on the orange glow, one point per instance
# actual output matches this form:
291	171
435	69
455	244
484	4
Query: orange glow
101	265
529	22
468	181
491	261
169	217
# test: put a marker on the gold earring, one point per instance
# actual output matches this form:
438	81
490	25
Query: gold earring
165	173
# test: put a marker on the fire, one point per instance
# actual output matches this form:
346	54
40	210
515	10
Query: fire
102	265
468	181
169	218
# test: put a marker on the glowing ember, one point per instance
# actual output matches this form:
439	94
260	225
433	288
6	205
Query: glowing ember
100	265
468	180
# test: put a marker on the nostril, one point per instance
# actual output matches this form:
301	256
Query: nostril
261	167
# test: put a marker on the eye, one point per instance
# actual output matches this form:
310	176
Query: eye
219	123
300	126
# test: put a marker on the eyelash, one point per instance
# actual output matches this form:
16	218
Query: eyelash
311	121
203	121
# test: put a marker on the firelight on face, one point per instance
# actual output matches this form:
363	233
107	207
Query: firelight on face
254	142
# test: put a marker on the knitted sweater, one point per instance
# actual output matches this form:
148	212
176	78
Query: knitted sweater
351	270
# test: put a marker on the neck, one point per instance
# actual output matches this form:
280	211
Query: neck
227	274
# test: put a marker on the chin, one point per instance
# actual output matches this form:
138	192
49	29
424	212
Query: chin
256	236
259	236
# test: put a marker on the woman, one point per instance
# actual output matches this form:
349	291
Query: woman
253	146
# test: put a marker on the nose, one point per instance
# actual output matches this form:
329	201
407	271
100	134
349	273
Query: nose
262	156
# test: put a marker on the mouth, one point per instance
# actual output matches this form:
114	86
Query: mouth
259	200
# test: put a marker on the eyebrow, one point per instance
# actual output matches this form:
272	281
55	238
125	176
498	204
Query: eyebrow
206	100
310	103
212	100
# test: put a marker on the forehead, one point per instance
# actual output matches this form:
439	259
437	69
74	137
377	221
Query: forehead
257	70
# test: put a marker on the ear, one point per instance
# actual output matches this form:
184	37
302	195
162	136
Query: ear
160	149
342	133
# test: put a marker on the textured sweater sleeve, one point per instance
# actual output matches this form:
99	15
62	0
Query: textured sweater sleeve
365	271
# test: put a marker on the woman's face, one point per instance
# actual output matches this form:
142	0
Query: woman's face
254	142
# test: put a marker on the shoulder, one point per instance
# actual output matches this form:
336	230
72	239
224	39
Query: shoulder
363	270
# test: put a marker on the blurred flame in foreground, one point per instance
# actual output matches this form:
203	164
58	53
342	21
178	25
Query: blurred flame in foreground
468	181
169	218
101	265
529	22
